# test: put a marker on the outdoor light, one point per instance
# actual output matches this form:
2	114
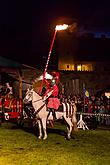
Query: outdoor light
61	27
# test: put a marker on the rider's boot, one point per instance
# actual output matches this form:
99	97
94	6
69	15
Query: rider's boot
48	113
54	114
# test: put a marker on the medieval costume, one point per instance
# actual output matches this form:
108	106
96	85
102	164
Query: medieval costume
2	96
52	90
7	95
2	90
8	91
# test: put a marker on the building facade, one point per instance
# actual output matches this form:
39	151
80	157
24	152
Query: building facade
81	67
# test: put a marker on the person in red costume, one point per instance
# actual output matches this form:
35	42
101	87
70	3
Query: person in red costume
52	92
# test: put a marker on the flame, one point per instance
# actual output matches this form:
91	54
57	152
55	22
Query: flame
61	27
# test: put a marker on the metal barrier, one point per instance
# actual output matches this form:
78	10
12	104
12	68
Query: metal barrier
81	124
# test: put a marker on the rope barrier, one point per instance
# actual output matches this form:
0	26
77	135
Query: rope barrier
93	114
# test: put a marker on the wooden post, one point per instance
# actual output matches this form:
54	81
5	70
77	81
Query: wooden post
20	84
84	90
20	87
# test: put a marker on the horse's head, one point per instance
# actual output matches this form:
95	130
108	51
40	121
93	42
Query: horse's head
28	96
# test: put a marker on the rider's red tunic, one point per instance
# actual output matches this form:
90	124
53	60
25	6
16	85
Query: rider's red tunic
53	101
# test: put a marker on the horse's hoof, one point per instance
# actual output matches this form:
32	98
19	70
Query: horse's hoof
44	138
39	137
67	138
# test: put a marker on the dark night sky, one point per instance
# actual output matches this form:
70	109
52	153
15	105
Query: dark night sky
26	27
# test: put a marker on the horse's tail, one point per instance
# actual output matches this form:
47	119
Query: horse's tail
74	120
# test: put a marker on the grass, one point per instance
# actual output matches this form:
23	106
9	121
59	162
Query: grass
21	147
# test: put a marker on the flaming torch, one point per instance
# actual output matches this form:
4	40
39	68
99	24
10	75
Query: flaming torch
57	28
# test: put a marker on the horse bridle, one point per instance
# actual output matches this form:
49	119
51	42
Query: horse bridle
35	100
27	99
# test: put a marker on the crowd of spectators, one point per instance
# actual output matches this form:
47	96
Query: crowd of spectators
92	105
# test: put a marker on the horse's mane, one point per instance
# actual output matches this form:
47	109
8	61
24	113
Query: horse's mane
36	93
36	86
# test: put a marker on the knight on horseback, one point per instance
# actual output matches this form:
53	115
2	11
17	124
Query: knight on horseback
40	108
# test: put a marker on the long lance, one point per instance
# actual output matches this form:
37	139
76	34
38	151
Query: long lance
48	59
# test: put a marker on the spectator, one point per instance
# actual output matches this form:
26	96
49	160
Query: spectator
8	91
1	89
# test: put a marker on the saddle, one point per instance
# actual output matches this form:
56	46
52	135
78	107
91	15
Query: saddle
60	109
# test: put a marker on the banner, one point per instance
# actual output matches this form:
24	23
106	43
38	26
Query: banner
85	92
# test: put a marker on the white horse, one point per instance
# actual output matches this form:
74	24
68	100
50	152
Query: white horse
41	112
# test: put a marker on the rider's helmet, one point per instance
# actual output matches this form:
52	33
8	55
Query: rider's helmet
56	77
53	82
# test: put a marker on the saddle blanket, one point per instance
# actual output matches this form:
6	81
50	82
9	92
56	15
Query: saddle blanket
65	107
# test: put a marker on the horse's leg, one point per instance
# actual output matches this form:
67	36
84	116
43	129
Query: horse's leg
69	127
40	129
74	122
44	127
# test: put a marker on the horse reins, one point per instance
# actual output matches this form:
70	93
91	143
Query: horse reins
36	100
36	112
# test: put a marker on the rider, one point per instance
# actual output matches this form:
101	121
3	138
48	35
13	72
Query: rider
1	96
52	88
7	95
8	91
1	89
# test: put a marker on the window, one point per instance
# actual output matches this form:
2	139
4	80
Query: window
79	68
85	67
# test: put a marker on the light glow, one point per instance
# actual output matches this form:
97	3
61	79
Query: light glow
79	68
61	27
